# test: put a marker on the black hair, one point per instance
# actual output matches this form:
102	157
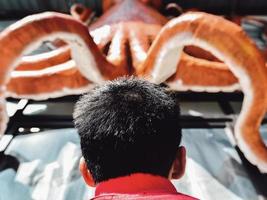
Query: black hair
128	126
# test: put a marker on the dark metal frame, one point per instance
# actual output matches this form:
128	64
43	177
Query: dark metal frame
258	179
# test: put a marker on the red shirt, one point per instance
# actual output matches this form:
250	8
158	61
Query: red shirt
138	187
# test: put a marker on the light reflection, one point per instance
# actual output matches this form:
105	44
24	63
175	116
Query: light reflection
195	113
35	129
34	109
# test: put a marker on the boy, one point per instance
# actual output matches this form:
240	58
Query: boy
130	137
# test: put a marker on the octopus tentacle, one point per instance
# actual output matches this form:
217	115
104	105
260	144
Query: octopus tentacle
33	84
102	36
234	48
50	25
117	49
31	31
153	31
200	53
44	60
139	45
81	13
199	75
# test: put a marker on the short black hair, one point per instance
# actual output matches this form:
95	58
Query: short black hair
128	126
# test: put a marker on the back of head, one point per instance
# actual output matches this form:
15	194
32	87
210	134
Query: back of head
128	126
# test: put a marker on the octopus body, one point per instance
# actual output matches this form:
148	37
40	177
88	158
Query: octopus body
133	39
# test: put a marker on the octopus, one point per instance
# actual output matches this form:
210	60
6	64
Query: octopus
131	38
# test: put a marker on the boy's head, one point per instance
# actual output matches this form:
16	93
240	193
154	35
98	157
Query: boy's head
129	126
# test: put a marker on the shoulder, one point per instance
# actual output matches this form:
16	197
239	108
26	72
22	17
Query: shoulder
144	197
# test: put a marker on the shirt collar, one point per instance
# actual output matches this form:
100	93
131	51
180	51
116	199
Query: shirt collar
136	183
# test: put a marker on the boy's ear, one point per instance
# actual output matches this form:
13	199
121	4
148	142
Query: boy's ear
178	167
86	173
